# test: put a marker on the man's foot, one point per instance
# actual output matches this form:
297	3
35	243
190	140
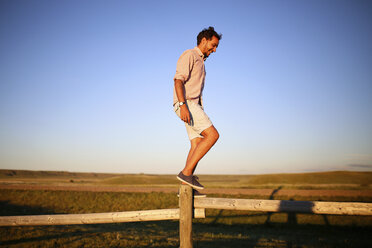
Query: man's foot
196	194
190	180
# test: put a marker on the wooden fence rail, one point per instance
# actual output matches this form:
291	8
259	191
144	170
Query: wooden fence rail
315	207
96	218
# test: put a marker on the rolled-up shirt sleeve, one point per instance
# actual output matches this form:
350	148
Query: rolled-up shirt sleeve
184	66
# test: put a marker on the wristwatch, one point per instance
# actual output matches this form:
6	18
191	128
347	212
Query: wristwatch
182	103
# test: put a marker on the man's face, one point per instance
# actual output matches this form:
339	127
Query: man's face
209	46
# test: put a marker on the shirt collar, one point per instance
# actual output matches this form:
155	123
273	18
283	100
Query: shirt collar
200	53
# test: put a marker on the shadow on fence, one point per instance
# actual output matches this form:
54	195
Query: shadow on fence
272	198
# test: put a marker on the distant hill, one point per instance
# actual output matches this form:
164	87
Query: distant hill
318	178
52	174
334	177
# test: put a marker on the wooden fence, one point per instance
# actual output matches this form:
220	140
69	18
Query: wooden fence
97	218
189	208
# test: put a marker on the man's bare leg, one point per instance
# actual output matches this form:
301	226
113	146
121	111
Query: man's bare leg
199	147
194	143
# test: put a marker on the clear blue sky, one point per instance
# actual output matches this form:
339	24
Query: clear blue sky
87	85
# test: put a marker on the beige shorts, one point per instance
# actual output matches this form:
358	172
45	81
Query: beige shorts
199	119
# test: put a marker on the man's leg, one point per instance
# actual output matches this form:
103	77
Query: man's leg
199	147
194	143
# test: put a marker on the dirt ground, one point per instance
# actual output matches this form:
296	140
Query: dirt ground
233	191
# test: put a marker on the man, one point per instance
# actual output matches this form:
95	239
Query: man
188	103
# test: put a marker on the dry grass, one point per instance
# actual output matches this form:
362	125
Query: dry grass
221	228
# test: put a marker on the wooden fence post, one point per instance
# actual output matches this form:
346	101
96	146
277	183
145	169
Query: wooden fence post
186	211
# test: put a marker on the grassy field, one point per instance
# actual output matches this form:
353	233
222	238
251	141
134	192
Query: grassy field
221	228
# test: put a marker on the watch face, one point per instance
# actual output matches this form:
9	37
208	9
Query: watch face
182	103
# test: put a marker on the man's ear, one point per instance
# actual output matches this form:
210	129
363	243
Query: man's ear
204	40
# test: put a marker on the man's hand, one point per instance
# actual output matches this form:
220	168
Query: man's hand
185	114
184	110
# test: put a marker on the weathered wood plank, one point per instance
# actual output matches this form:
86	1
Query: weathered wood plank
96	218
316	207
186	210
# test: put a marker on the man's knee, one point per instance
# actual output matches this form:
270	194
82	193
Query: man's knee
216	135
211	133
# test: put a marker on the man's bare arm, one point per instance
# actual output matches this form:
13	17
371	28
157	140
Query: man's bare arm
180	92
